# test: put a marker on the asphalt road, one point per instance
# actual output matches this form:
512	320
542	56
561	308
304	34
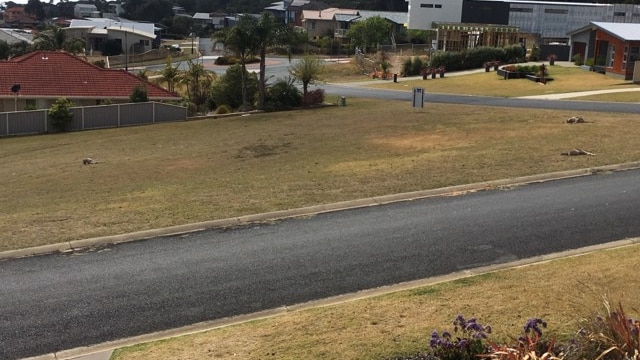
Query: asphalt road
55	302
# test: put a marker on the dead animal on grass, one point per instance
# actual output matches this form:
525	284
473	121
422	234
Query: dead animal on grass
89	161
575	120
575	152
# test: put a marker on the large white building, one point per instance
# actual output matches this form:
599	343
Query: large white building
550	21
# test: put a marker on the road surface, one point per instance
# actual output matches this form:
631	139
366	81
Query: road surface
55	302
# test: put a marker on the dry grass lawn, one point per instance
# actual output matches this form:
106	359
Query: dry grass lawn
169	174
399	323
566	79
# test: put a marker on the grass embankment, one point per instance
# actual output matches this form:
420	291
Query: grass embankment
559	291
169	174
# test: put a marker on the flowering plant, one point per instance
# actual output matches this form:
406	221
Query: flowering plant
466	346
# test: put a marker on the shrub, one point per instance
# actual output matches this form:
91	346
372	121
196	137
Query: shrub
225	60
100	63
416	65
191	107
282	95
577	59
139	94
228	89
60	114
314	97
612	335
223	109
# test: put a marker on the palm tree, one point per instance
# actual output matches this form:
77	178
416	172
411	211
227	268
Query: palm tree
241	40
269	32
54	39
198	81
170	74
307	71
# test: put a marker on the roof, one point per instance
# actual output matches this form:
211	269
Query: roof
393	16
326	14
12	36
346	18
137	27
52	74
623	31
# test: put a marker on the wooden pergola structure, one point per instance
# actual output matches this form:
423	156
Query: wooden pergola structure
459	36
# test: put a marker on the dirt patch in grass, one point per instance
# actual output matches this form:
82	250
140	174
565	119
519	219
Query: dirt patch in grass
171	174
382	327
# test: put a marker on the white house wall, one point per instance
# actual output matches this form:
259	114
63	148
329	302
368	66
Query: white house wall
423	13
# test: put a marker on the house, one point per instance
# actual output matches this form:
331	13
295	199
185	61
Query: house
15	17
13	36
397	20
41	77
133	37
85	11
290	11
614	47
213	21
327	22
548	22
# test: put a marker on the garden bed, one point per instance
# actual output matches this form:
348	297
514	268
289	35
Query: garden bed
522	72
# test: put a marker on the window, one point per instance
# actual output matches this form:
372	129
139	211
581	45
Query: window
524	10
611	56
619	13
556	11
313	25
430	6
438	6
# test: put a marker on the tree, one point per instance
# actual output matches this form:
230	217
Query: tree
228	89
307	71
54	38
198	81
269	32
5	50
241	40
60	114
19	48
139	94
35	9
371	31
170	75
148	10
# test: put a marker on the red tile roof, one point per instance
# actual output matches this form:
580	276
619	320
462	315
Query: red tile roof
48	74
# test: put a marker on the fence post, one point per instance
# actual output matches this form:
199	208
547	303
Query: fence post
46	123
119	115
153	112
83	116
7	117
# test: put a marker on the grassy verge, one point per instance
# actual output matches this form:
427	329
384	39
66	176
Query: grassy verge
566	79
169	174
559	291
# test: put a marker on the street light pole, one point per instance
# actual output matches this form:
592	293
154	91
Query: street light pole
192	41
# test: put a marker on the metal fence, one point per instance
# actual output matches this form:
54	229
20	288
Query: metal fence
92	117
